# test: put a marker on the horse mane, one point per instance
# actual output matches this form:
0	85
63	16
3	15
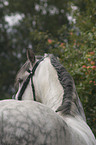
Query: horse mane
70	103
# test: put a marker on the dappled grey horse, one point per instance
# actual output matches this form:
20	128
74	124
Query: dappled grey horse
50	112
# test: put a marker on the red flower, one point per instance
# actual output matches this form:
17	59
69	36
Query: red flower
49	41
92	62
62	44
84	66
89	59
90	82
93	67
88	67
92	53
71	33
74	43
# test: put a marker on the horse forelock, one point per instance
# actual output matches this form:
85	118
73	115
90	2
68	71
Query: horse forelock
70	100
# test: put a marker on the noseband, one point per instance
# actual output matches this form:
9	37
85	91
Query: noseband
31	74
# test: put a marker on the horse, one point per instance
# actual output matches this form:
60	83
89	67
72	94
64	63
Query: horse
45	80
50	112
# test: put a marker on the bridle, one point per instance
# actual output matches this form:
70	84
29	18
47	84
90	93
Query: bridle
31	74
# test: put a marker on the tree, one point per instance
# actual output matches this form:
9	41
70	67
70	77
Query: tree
78	53
37	22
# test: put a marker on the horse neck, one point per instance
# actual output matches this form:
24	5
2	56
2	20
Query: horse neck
47	86
51	92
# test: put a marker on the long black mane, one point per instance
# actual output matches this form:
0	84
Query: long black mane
70	102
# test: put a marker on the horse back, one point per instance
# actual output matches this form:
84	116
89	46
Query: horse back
30	123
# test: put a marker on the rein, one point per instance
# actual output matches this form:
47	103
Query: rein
27	81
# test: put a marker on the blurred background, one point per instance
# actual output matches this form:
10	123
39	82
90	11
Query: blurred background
66	28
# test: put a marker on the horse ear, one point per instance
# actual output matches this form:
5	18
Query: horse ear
30	55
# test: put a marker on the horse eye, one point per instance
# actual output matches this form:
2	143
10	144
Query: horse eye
20	80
